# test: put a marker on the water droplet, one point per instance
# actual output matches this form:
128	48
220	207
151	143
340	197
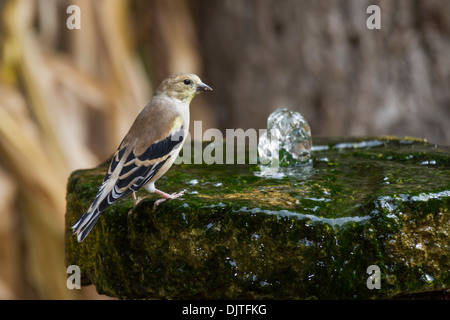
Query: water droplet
287	140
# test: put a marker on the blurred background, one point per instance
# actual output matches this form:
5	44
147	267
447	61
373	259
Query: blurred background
67	97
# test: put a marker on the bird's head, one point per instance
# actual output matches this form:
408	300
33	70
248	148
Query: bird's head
182	86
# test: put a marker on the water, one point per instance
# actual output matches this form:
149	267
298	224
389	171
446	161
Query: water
287	140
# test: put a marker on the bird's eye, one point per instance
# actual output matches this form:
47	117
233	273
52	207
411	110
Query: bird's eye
187	81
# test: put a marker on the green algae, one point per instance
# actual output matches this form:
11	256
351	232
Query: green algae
310	232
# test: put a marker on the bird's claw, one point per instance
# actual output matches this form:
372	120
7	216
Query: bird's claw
174	195
136	200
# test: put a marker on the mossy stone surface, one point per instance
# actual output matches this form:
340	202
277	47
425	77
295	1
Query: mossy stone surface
310	233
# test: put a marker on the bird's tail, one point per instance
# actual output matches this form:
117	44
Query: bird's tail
85	223
102	201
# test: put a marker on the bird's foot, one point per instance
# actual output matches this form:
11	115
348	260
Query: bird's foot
136	200
167	196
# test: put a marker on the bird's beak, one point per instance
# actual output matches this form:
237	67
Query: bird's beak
203	87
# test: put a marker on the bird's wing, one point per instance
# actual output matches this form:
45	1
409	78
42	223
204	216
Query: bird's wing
130	170
138	169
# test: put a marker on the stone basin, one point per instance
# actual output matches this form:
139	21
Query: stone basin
361	207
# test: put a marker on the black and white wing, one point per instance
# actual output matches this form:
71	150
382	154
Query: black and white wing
128	172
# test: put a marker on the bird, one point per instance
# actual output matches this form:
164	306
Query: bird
148	150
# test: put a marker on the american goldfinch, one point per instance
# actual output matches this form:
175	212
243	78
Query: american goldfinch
149	148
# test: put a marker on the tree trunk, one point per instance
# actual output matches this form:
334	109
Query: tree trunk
320	58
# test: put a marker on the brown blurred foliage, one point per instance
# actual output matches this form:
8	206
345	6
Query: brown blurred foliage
68	96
